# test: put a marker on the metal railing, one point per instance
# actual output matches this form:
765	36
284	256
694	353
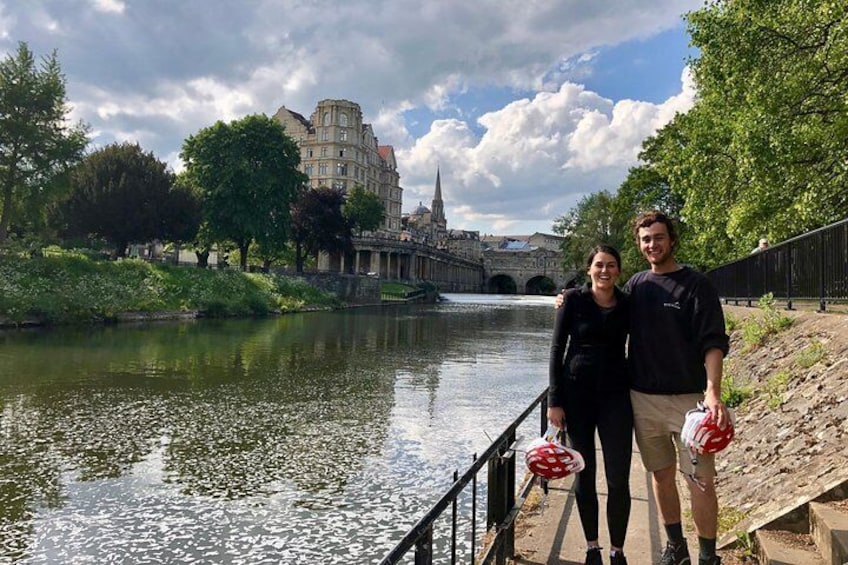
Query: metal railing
502	503
810	267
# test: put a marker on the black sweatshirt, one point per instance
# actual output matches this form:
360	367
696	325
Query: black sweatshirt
596	338
676	318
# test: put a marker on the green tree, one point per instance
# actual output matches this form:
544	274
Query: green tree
363	209
594	220
643	190
318	224
36	142
247	171
124	195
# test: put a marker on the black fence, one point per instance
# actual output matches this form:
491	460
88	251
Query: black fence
502	505
811	267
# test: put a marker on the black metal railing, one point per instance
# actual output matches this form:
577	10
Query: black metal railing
502	503
810	267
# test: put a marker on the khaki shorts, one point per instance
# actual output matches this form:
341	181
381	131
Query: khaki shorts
657	421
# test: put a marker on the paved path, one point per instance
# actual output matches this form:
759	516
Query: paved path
552	535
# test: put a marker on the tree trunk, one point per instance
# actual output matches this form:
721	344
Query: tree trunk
6	218
243	247
298	258
202	258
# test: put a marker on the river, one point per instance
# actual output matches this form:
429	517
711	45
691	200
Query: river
306	439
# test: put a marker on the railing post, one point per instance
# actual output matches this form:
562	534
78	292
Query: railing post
424	548
821	271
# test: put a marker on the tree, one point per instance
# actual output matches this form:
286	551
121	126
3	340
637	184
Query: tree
762	152
124	195
247	171
643	190
363	209
318	224
591	222
36	142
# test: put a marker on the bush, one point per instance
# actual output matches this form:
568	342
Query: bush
756	330
73	288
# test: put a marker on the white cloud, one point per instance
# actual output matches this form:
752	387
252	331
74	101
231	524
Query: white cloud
536	157
168	71
110	6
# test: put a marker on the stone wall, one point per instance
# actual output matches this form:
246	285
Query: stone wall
352	289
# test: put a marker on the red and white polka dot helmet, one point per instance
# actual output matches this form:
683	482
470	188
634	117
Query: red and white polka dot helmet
552	460
701	432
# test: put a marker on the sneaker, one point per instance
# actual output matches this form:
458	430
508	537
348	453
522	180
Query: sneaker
593	556
714	560
675	554
617	558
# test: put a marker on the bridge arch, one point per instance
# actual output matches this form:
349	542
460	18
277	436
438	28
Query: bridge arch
540	284
501	284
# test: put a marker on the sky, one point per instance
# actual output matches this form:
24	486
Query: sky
525	106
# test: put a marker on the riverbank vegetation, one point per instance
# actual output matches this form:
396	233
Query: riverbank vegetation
76	289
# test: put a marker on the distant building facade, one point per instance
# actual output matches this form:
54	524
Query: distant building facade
338	150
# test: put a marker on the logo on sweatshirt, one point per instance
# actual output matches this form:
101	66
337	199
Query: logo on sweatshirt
675	305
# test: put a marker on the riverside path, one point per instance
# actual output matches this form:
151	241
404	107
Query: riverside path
551	534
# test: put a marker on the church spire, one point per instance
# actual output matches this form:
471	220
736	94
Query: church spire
438	207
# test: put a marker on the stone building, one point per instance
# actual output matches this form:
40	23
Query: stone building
338	150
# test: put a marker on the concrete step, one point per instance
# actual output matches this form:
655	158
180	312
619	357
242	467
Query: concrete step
779	547
829	528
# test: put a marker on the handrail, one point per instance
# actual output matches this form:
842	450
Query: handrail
501	449
810	267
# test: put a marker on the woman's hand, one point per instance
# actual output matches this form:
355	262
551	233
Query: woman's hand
556	417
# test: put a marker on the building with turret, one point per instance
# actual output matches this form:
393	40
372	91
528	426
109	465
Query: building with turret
338	150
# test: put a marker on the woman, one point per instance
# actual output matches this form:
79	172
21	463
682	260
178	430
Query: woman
589	391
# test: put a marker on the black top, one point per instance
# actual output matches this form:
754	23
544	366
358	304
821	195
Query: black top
596	338
676	317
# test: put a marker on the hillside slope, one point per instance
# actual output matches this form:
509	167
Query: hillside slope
792	432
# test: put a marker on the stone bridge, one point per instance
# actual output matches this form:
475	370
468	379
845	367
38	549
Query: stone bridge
537	271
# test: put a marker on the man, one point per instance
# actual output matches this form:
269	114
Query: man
675	353
762	245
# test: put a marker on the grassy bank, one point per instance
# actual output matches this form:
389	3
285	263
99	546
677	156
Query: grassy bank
69	289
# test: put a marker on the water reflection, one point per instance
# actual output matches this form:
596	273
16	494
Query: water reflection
304	439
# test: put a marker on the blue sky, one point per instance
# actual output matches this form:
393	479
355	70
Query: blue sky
525	105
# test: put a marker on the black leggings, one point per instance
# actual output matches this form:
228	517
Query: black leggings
611	414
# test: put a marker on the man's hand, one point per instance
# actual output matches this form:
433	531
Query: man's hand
718	409
560	298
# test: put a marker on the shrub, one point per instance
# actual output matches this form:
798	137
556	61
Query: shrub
756	330
733	394
811	355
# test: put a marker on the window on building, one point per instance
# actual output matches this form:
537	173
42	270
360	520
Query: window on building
309	152
308	170
323	152
322	169
326	119
343	135
343	119
341	169
325	135
339	185
341	152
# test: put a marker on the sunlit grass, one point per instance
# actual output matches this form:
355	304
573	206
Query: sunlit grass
71	289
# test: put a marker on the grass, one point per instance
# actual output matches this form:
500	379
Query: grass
76	289
811	355
757	329
733	393
775	387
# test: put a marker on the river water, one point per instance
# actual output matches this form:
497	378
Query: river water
305	439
